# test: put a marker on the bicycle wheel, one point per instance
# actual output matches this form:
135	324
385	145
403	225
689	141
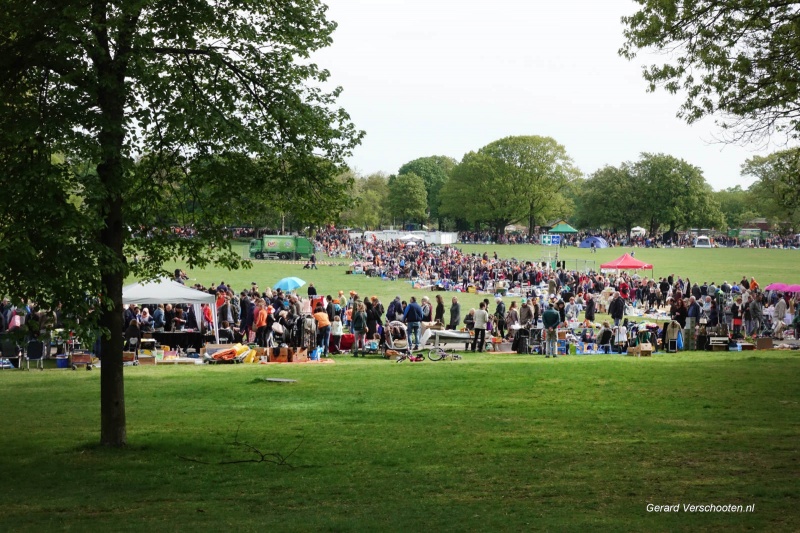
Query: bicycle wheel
436	354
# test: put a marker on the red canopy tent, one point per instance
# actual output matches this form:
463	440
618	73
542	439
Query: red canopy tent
626	262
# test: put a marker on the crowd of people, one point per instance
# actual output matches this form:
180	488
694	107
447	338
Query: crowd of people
615	239
267	316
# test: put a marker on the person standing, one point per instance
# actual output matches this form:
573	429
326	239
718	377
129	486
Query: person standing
359	323
395	310
617	308
591	308
756	314
439	314
481	321
550	321
159	321
526	313
500	317
412	316
779	314
455	314
323	329
260	322
512	317
736	318
427	310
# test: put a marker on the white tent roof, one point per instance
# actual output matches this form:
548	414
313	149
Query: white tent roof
163	290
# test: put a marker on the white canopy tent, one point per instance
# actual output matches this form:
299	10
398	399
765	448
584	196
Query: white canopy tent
165	290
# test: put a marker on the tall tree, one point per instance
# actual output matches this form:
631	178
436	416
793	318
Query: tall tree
738	206
434	171
540	168
777	190
613	197
677	195
478	192
407	198
736	58
196	91
524	178
367	208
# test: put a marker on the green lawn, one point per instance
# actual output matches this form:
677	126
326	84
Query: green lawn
489	443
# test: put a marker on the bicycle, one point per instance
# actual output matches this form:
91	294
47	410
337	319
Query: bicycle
437	354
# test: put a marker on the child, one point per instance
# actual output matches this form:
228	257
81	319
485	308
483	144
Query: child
375	343
336	334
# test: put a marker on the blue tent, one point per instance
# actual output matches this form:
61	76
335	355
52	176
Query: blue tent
599	242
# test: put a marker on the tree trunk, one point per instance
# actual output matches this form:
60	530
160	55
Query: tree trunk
111	99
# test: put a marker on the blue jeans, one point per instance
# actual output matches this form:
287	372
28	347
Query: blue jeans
413	329
323	339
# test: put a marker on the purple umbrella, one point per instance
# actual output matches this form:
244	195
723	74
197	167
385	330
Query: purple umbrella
776	287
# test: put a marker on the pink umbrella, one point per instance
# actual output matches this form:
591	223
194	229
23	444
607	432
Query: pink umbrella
792	288
776	287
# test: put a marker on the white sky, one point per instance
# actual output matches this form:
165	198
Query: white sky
445	77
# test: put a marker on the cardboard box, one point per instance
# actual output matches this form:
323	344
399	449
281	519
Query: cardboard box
128	357
147	359
764	343
298	356
633	350
645	349
279	355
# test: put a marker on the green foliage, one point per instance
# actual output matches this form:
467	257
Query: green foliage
509	180
434	171
736	58
367	208
738	206
676	195
659	190
407	198
478	192
613	198
208	98
777	190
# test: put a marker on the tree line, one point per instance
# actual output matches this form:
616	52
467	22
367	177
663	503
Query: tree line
530	180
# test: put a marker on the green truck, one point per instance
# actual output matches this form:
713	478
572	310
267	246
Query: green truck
281	247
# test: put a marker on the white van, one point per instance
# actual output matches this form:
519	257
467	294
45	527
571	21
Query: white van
702	241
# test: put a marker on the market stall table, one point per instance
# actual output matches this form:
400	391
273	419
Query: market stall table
184	339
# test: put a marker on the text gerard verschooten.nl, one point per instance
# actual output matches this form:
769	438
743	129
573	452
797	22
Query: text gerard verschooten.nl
701	508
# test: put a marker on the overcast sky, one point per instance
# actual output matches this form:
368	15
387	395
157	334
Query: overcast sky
445	77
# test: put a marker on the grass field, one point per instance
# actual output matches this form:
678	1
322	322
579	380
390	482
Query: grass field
489	443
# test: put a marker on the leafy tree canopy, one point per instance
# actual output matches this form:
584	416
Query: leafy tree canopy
739	59
777	191
407	198
173	106
510	180
434	171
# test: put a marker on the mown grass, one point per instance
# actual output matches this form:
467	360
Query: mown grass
490	443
